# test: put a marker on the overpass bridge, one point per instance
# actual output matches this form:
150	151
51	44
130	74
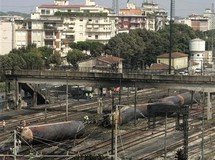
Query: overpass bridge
200	83
111	79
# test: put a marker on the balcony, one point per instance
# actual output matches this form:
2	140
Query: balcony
50	37
98	30
50	27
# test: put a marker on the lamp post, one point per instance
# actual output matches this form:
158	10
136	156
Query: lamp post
170	37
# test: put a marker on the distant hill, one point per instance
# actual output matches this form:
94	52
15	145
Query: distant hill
12	13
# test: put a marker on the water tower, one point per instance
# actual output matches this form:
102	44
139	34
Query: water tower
197	49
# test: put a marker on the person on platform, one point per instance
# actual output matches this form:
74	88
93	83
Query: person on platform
3	125
86	119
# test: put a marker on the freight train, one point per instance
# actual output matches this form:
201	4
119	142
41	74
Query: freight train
52	132
128	113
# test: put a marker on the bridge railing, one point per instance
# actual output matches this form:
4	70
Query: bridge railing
88	70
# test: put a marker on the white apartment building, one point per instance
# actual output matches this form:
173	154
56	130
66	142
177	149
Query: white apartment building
7	33
156	16
197	22
56	25
211	18
6	40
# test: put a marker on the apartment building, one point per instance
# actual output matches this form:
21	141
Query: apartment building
156	16
131	18
57	25
7	33
148	16
208	13
197	22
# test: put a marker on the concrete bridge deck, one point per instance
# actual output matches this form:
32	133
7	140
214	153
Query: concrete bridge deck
109	79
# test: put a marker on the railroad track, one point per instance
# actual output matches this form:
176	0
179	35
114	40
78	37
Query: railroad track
103	147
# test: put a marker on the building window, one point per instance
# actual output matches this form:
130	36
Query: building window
96	37
43	11
47	11
81	19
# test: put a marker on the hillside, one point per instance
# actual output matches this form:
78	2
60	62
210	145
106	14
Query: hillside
12	13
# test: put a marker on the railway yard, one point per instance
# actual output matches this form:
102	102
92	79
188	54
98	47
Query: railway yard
134	139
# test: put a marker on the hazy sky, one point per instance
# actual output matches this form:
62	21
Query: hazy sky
183	7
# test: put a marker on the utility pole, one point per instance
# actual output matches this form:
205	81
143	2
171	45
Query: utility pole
120	88
135	104
67	98
170	37
203	123
14	149
165	138
112	132
116	125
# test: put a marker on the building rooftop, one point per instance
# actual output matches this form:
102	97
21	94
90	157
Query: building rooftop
159	66
64	6
109	59
173	55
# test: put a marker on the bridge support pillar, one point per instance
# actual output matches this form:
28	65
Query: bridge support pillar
17	95
35	96
209	108
7	94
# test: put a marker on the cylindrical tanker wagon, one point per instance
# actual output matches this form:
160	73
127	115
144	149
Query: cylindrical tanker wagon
53	131
128	113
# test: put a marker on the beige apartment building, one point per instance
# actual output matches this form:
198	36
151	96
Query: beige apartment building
57	25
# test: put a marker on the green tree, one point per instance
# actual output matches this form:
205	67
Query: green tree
17	61
46	54
33	59
5	62
74	56
23	49
181	36
95	48
55	58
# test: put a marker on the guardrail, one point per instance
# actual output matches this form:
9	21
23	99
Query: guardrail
130	75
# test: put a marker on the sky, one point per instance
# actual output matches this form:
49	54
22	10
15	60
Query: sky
182	7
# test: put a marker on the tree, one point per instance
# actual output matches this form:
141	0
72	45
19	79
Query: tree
17	62
55	58
23	49
95	48
126	46
182	34
74	56
140	47
33	59
46	54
